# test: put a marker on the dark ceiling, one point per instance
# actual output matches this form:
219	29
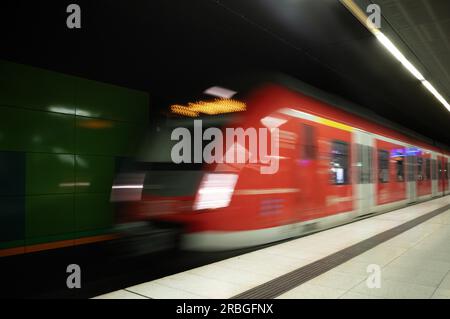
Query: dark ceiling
169	48
424	26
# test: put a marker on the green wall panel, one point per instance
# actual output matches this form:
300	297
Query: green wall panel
29	87
106	101
34	131
11	244
12	173
12	218
48	215
93	211
106	137
50	173
94	174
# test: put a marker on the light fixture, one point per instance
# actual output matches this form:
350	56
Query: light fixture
398	55
387	43
436	94
217	106
220	92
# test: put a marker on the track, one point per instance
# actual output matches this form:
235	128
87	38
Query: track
43	274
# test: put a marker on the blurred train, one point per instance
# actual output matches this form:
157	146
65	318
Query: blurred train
337	163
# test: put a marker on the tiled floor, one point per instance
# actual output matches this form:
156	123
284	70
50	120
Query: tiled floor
414	264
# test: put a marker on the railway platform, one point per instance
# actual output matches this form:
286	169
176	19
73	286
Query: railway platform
400	254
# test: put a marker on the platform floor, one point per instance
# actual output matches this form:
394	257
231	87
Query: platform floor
414	264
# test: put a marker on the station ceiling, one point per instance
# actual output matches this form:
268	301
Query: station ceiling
424	26
169	47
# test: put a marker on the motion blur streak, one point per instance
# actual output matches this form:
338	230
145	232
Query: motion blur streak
215	191
327	175
218	106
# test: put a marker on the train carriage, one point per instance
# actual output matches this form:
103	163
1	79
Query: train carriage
335	164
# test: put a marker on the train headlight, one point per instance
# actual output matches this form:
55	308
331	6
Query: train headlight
215	191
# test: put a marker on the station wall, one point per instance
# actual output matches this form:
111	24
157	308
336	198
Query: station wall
60	139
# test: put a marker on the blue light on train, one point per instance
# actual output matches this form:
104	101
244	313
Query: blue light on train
397	152
413	151
410	151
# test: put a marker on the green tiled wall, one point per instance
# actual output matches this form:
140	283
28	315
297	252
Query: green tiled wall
112	138
94	174
35	131
49	173
49	215
92	211
59	139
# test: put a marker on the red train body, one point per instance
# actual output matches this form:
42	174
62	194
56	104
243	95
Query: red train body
334	166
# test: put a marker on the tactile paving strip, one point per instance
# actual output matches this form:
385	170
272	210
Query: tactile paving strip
284	283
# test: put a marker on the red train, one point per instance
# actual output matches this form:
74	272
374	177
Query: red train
335	164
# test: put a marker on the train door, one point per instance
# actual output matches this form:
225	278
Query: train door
442	174
447	173
310	203
411	177
363	167
434	176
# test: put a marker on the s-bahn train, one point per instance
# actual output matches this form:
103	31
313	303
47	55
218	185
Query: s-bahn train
335	163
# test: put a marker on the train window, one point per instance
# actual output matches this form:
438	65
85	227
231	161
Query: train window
400	169
420	168
428	169
440	175
339	163
447	171
383	166
433	169
364	165
309	138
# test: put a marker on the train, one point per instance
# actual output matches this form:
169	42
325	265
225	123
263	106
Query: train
336	162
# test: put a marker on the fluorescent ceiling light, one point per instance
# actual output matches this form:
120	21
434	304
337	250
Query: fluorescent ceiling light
398	55
436	94
362	17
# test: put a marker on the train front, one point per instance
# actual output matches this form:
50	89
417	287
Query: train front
180	186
